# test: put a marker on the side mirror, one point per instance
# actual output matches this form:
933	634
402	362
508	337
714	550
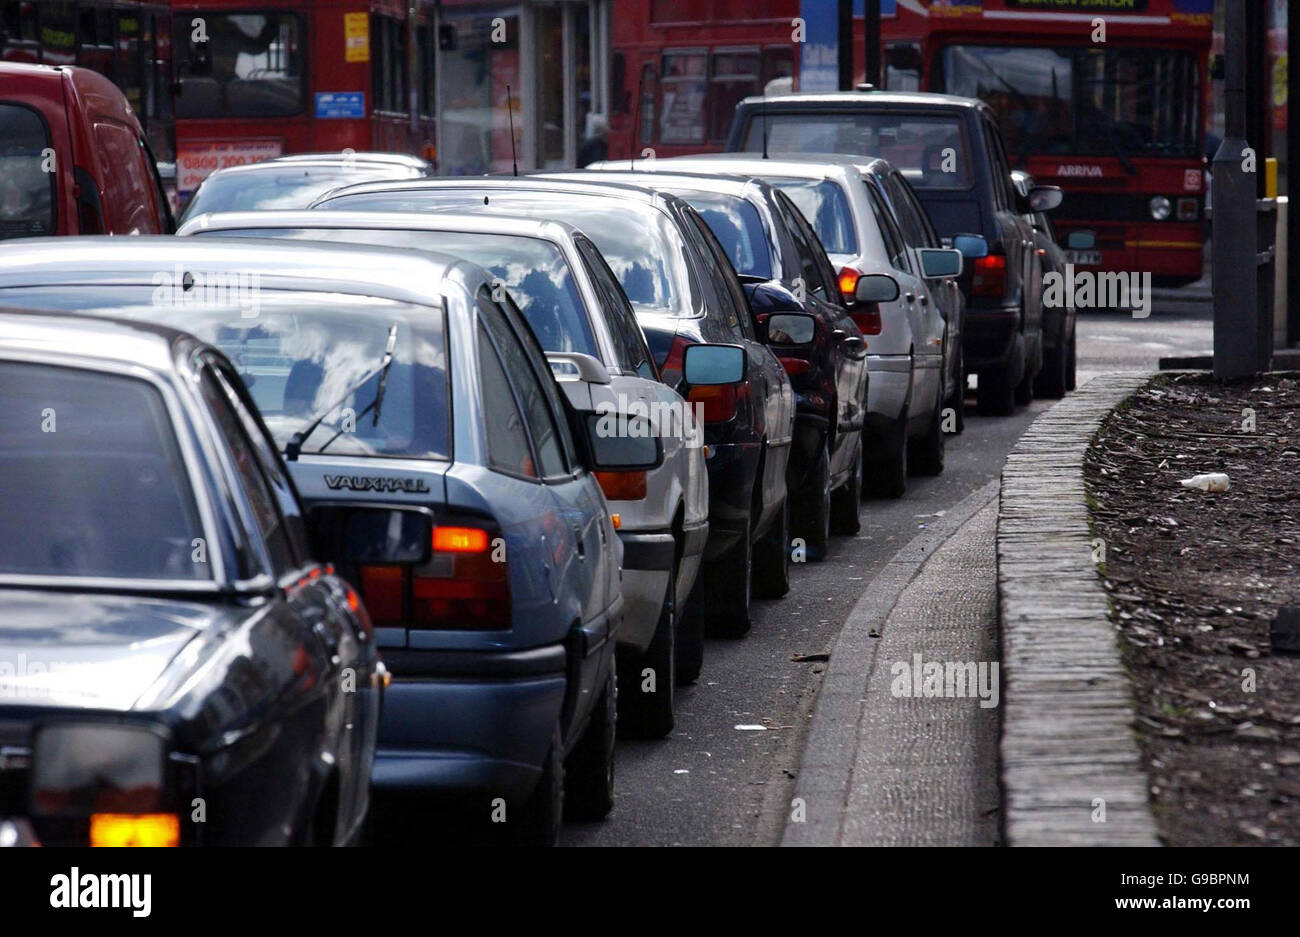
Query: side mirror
1045	197
703	365
622	442
368	535
789	328
972	246
940	262
1081	240
770	296
876	288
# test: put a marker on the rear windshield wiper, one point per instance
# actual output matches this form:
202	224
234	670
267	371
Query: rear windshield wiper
294	446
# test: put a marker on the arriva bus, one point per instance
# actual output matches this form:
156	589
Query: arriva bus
1105	98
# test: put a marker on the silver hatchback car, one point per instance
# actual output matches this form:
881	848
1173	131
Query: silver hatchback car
573	302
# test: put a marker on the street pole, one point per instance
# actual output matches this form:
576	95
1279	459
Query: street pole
871	43
1234	263
845	48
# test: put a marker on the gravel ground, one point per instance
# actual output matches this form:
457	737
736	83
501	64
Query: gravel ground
1195	580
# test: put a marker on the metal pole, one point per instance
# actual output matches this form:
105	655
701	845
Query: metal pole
844	27
871	43
1292	258
1236	317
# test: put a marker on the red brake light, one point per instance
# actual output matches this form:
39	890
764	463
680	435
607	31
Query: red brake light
795	366
990	276
868	319
719	401
622	486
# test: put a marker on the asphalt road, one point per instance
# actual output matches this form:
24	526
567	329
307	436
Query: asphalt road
713	783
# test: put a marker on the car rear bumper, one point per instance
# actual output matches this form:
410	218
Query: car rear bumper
464	722
989	336
890	381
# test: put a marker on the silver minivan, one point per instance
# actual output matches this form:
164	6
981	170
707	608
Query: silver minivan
584	322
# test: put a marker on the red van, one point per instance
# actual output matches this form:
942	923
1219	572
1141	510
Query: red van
73	158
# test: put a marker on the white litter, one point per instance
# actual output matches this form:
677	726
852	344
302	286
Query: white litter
681	771
1211	481
752	728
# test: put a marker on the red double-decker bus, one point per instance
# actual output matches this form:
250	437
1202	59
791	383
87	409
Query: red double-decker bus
257	80
1105	98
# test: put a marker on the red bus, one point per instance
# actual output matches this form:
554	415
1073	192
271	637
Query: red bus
1108	101
257	80
128	42
678	68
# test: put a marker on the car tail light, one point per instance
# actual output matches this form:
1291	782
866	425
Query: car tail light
622	486
135	829
868	319
719	401
464	586
795	366
849	283
990	276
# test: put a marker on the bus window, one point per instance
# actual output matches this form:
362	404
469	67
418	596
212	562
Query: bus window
735	76
58	33
778	62
649	89
427	74
130	64
389	73
242	65
685	82
903	66
95	41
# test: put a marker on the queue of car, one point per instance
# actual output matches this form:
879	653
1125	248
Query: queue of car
431	487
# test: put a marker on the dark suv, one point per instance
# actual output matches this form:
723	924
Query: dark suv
950	150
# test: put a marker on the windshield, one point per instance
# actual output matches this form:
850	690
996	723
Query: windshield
286	187
736	224
299	353
824	204
246	64
637	241
93	482
534	272
1087	101
933	144
26	182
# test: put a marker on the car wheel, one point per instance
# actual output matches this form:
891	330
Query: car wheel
888	479
1070	368
813	522
589	772
1053	381
957	401
539	819
927	454
771	576
1024	394
688	657
846	501
723	589
995	395
642	713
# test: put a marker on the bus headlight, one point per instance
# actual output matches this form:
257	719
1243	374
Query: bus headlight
1160	208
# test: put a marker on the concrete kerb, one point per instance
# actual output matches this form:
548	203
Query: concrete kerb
1069	754
829	752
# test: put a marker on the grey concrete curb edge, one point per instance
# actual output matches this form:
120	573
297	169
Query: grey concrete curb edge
826	766
1068	742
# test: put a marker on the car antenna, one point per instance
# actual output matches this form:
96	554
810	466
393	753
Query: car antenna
510	112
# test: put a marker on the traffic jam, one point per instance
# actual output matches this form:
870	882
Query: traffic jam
375	440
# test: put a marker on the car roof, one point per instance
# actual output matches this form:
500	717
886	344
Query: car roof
727	183
537	183
365	156
303	165
899	99
388	273
515	225
57	337
797	165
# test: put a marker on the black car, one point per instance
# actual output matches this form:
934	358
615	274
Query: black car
795	295
175	667
1059	340
684	291
950	150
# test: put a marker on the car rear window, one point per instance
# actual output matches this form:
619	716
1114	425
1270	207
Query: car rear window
94	484
533	271
824	204
738	227
302	355
930	149
282	187
637	241
26	174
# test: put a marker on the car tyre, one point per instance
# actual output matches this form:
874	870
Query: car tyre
589	773
725	593
813	523
771	575
927	454
1024	394
957	401
1070	371
1054	380
888	479
643	715
539	821
846	501
995	395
